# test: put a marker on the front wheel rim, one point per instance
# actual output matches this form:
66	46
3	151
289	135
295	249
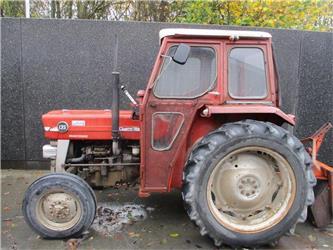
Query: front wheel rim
251	189
58	210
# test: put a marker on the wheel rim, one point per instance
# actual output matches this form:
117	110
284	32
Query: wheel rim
251	189
58	210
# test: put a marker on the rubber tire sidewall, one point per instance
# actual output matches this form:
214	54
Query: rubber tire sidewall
71	184
253	239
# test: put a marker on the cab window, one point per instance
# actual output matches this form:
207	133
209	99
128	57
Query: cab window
193	79
246	73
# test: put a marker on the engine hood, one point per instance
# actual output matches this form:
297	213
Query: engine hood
88	125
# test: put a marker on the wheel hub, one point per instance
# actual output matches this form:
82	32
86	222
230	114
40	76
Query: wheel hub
249	186
244	184
58	211
59	207
250	189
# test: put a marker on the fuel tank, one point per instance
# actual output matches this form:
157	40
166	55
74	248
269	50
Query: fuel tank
88	125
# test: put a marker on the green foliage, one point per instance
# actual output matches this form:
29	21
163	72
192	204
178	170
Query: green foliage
12	8
295	14
292	14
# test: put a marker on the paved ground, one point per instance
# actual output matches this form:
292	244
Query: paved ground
159	223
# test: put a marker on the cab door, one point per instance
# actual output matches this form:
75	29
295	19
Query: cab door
175	94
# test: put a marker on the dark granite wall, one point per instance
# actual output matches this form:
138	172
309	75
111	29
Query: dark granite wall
54	64
12	92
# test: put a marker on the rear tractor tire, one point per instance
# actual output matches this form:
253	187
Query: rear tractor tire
247	183
59	205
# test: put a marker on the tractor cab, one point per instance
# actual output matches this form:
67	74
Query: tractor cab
200	80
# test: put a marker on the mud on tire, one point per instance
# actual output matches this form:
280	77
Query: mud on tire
220	144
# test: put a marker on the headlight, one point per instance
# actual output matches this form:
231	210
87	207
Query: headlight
49	152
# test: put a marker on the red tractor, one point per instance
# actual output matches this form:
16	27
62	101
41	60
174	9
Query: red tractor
208	123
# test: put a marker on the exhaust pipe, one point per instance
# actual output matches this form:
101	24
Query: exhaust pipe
115	114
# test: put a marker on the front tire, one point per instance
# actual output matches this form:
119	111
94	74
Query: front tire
247	183
59	205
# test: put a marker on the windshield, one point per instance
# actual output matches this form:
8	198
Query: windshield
194	78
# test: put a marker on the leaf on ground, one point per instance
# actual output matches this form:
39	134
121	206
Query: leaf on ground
163	241
6	209
7	193
72	244
174	235
312	238
133	234
329	234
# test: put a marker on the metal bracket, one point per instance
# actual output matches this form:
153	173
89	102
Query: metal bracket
62	149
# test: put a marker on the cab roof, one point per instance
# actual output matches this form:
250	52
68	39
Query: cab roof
214	33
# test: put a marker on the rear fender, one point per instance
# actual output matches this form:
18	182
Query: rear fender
269	113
